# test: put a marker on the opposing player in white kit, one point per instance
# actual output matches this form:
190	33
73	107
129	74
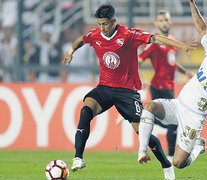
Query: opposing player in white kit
188	110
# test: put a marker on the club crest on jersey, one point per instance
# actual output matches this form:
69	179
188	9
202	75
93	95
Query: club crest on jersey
202	79
120	41
111	60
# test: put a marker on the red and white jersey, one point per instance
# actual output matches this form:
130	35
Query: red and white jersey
118	56
163	60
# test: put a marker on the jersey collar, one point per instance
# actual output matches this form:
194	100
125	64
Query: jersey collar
108	38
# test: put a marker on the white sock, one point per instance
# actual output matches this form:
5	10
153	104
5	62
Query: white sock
145	129
194	154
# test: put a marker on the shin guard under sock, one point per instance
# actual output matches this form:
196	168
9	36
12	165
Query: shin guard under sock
83	130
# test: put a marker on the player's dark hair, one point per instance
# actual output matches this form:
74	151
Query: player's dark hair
105	11
162	12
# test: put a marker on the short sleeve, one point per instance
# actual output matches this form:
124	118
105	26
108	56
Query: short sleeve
139	37
87	38
204	42
146	53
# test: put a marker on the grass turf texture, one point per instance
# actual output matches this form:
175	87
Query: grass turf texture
30	165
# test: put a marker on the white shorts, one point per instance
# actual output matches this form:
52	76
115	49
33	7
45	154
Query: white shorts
189	123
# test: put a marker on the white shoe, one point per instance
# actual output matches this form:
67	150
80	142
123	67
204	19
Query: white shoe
78	163
169	173
201	142
143	157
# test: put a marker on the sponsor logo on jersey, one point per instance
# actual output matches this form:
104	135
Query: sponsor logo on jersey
120	41
98	43
202	78
111	60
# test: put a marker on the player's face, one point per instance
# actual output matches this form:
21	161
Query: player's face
107	26
163	22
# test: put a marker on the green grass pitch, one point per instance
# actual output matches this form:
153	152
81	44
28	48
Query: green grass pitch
30	165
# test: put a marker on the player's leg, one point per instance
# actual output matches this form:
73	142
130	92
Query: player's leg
171	128
164	110
95	102
152	109
171	139
183	159
132	114
189	143
90	109
156	148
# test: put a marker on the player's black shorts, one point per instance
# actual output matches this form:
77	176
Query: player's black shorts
165	94
126	101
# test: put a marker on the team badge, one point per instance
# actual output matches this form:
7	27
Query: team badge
120	41
111	60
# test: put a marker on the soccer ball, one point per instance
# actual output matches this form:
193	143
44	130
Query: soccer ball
57	170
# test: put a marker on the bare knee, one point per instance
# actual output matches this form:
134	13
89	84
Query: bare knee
181	158
150	106
178	163
156	108
94	105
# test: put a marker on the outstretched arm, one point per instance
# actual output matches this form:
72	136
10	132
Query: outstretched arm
69	54
159	39
182	70
197	19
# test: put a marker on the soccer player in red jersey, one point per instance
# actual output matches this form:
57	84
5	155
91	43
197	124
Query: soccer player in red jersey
163	59
116	47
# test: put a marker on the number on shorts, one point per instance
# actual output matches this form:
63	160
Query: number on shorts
191	133
202	104
138	109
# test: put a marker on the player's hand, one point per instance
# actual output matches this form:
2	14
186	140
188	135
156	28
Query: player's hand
189	45
189	74
68	57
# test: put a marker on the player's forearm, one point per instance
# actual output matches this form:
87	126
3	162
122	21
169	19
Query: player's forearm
180	68
197	19
76	45
159	39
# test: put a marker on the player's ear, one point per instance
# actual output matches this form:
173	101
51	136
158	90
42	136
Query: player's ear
114	22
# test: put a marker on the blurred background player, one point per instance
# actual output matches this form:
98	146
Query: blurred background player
163	59
116	48
188	110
